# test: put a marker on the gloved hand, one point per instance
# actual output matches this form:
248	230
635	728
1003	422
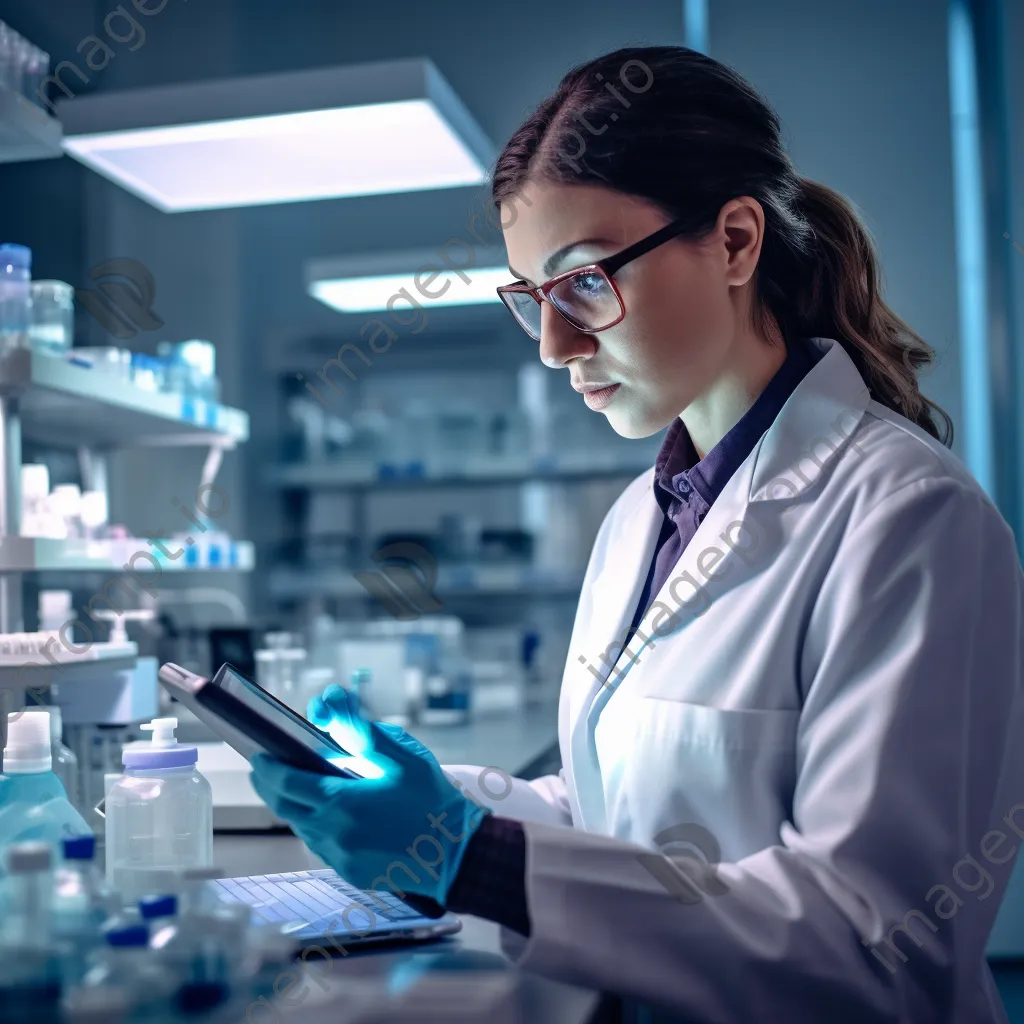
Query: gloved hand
407	829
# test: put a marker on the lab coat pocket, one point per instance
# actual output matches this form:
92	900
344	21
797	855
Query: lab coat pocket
667	764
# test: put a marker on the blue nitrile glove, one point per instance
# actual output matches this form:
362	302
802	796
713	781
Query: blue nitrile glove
406	830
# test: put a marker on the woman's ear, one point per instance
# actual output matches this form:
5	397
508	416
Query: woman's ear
741	224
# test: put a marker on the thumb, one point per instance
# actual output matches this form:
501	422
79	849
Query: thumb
335	703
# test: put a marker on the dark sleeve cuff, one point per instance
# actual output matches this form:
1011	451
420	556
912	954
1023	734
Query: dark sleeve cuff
491	881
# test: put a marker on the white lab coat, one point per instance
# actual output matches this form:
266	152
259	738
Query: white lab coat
839	709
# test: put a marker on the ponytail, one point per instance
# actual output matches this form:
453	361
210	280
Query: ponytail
831	289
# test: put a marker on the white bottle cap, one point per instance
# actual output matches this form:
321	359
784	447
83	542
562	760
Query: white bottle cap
28	743
35	481
163	732
54	608
24	858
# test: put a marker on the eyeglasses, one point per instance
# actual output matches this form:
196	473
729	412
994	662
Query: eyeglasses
586	296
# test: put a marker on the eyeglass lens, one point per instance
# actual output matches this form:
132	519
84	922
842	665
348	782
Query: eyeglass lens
586	300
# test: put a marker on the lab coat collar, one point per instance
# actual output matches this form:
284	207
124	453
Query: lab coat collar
813	427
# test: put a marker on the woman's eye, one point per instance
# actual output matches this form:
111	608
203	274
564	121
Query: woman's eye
587	284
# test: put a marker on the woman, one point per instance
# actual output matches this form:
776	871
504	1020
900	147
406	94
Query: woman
788	716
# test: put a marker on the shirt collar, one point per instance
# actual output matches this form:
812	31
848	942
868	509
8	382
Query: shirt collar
677	470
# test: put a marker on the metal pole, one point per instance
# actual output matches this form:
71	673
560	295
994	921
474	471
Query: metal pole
981	180
10	509
695	24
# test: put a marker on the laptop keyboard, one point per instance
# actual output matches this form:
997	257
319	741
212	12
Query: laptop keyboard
316	902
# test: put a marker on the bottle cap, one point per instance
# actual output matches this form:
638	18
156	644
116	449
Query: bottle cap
28	743
163	752
128	935
157	906
79	847
24	858
14	255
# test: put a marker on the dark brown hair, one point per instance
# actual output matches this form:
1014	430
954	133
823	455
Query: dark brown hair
685	132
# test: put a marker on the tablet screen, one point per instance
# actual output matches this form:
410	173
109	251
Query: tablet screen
268	706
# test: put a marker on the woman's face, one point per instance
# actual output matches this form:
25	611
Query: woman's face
685	302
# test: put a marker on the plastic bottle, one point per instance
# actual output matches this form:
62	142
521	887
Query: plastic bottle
65	763
15	297
82	905
361	689
126	966
159	815
208	948
29	971
33	801
160	914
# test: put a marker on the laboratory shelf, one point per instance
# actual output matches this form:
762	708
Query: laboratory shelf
61	403
27	132
495	470
113	656
30	554
453	581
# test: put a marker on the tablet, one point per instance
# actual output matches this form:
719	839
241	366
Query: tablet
252	720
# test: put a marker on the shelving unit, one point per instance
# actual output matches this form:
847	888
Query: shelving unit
59	401
453	581
27	132
48	400
497	471
363	482
44	554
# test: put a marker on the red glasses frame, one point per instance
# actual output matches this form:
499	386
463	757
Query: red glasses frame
606	268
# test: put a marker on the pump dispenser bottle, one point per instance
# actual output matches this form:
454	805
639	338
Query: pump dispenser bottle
159	815
33	802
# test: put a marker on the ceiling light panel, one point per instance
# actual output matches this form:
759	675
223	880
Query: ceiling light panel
323	134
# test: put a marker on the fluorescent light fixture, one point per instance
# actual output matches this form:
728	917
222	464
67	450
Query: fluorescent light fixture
365	129
381	281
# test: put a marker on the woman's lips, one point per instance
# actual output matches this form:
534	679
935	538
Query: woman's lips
597	400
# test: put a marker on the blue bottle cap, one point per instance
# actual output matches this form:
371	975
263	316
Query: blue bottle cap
79	848
128	935
15	255
158	906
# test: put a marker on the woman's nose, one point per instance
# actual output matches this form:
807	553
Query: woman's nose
560	342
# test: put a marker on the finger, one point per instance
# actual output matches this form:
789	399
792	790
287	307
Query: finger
318	713
272	777
339	700
289	811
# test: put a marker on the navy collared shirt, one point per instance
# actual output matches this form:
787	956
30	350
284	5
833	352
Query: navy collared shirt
686	487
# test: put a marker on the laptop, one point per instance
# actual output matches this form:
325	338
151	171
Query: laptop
318	907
